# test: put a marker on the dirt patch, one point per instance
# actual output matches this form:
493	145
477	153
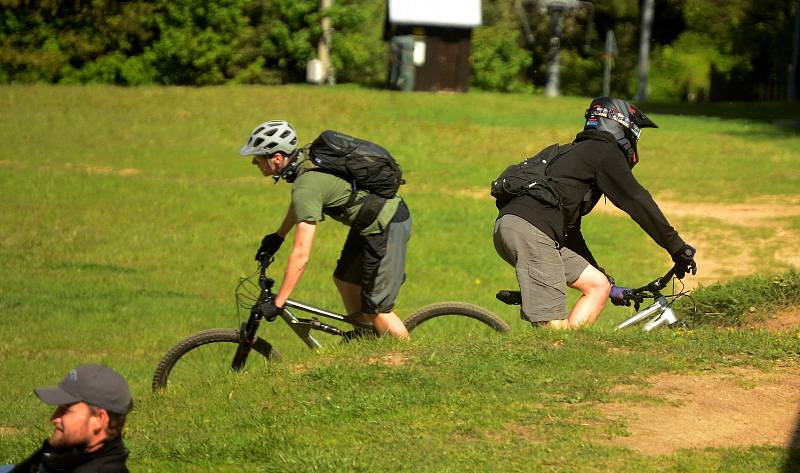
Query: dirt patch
754	213
102	170
8	431
740	255
513	431
782	321
392	359
738	408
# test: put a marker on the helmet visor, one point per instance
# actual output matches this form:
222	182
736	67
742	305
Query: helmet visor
617	117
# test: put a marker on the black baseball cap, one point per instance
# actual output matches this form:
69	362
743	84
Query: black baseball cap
96	385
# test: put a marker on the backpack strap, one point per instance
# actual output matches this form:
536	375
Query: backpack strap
371	206
339	210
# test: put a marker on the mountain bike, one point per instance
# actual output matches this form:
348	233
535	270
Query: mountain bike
660	311
206	356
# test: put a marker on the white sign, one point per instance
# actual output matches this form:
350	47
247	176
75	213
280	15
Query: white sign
419	53
464	13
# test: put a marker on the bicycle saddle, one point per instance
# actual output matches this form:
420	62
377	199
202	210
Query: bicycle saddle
509	297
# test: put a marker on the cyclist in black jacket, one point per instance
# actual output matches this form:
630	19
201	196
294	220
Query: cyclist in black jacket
545	244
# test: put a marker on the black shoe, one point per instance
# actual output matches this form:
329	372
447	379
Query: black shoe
358	333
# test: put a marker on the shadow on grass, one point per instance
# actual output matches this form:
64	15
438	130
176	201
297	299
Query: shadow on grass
782	116
793	460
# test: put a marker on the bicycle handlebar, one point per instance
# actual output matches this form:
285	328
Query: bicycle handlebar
657	284
652	290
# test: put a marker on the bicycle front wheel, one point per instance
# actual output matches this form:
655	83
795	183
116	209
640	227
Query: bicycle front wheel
454	320
207	357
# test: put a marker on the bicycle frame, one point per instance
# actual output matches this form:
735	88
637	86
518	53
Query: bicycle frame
303	327
300	326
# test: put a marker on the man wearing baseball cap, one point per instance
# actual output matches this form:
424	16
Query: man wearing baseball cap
92	401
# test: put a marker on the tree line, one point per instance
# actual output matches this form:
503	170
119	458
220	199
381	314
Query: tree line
700	50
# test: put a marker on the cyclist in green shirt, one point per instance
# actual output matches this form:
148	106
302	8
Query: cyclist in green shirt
371	267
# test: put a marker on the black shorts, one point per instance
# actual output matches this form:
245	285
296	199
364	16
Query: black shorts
377	262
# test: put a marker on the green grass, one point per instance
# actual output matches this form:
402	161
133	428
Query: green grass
127	218
742	300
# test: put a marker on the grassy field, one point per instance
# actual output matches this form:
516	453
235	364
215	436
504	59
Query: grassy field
127	218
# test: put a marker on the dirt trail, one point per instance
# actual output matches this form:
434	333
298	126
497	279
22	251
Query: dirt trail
728	250
738	408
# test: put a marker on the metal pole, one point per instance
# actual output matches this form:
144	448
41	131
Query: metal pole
556	13
324	45
792	92
644	49
608	58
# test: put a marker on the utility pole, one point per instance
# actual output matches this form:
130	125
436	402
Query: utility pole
608	61
555	11
324	45
644	49
792	92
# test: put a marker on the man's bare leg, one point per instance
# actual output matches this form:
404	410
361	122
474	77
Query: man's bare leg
595	289
558	324
384	323
351	296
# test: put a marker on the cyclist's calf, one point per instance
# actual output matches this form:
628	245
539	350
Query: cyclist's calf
595	290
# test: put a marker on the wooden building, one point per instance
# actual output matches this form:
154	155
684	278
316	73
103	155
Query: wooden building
431	43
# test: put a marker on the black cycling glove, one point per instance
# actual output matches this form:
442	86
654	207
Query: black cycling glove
269	246
269	310
684	261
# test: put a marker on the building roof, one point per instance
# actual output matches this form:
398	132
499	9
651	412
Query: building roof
458	13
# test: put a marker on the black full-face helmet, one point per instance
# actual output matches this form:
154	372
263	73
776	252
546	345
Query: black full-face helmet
622	120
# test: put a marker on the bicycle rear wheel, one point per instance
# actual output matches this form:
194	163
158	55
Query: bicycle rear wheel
454	319
206	357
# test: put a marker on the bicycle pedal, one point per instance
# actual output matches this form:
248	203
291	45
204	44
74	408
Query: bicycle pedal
509	297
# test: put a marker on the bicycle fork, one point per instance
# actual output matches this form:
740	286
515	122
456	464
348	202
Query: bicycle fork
662	311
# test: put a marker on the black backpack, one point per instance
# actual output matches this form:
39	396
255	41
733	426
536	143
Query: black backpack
368	166
530	177
364	164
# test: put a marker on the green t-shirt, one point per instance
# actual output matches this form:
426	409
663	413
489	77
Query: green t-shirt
311	191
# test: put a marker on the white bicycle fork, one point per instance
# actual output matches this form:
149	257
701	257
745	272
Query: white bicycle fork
660	309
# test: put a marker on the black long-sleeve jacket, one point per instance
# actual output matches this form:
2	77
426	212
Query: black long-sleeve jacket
110	458
595	166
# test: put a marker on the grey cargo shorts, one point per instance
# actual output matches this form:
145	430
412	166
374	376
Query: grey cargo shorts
377	263
543	270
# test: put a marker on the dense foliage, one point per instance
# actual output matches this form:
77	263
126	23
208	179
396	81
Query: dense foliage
183	42
701	50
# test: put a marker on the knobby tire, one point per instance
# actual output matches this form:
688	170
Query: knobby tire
260	348
460	309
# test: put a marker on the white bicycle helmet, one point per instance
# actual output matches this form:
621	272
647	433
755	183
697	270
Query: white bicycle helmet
269	138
